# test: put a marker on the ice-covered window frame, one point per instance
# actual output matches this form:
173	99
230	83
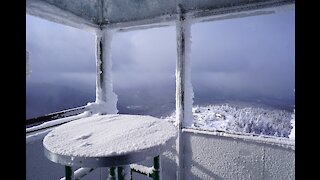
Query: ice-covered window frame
125	15
110	17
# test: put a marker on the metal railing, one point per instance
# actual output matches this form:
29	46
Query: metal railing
53	116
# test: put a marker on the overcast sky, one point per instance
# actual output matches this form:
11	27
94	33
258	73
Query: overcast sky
235	57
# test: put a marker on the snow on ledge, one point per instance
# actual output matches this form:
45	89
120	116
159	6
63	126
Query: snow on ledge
282	142
143	169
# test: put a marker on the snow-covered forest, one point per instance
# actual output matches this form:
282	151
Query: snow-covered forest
252	120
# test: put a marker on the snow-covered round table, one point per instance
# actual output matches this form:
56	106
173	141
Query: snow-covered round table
108	140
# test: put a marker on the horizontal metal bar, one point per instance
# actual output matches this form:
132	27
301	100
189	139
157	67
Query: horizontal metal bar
55	115
80	173
100	18
155	168
137	171
56	122
53	13
282	142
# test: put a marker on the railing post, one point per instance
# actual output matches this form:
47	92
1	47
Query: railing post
99	65
105	97
180	72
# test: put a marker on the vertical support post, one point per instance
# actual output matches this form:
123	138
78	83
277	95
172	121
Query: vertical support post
106	99
180	77
156	166
184	90
100	91
69	173
112	174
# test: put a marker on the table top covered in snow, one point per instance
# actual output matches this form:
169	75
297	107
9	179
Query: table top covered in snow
108	140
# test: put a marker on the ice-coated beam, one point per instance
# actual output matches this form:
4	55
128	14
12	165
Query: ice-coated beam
52	12
184	92
87	14
106	99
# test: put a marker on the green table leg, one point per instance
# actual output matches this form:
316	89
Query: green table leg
120	173
123	172
68	172
156	166
112	174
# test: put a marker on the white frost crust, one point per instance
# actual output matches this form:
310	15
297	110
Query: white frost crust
188	89
184	27
106	99
141	168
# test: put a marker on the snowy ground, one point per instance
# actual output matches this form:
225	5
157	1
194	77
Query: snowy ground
253	120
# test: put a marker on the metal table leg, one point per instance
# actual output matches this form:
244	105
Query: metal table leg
156	166
112	174
69	173
120	173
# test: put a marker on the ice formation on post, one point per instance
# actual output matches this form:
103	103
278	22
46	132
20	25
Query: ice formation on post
184	94
106	99
188	89
184	91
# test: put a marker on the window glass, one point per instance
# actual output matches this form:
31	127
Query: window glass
61	67
144	71
243	74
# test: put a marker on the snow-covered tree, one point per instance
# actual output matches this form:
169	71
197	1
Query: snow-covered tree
252	120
